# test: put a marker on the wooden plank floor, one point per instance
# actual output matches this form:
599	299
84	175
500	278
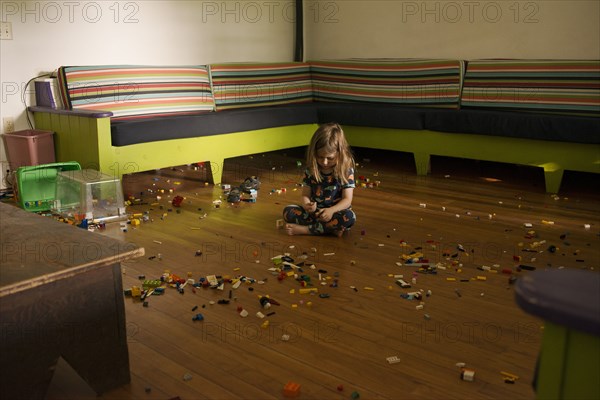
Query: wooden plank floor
342	342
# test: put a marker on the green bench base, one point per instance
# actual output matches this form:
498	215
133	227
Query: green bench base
553	157
88	141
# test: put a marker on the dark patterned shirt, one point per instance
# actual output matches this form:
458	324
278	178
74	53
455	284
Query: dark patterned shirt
329	191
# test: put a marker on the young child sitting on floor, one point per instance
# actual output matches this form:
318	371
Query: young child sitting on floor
327	187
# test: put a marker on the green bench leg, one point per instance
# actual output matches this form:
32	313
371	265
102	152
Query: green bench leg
553	178
216	169
422	163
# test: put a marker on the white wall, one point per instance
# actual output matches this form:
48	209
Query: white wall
48	34
463	29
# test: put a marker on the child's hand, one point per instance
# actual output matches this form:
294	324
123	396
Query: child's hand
310	207
324	215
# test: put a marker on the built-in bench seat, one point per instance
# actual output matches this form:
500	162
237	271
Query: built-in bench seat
542	113
127	133
125	119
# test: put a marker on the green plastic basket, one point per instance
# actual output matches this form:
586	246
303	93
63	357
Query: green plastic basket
36	185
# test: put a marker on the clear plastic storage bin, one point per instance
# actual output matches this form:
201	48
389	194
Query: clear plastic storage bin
89	194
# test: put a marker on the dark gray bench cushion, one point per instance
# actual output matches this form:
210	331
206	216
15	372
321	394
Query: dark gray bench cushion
564	128
214	123
575	129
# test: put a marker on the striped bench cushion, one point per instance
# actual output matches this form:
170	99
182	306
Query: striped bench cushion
136	91
409	82
237	85
557	86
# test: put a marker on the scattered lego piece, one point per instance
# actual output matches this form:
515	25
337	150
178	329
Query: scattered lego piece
265	302
198	317
525	267
308	290
291	389
393	359
509	376
467	375
403	284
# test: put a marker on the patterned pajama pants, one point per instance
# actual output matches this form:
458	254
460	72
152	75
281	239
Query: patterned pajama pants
341	220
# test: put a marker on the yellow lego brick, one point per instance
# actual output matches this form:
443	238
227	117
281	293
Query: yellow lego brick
136	291
509	375
308	290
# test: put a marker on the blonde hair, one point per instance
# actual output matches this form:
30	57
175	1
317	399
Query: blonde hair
331	138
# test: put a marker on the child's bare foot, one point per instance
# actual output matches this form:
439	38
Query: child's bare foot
338	233
295	229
